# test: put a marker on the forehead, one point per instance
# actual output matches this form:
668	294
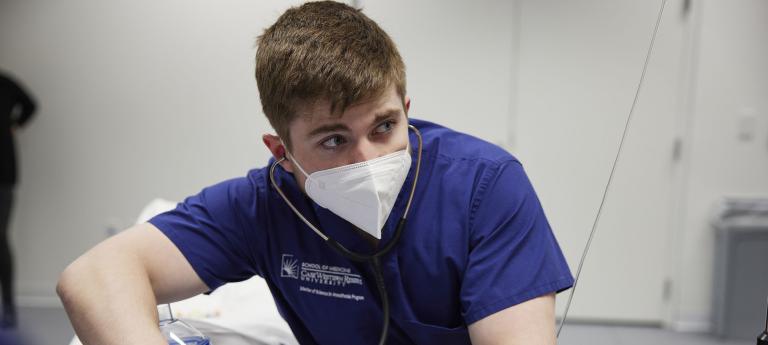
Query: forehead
318	112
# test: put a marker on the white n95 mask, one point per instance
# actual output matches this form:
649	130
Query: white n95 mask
361	193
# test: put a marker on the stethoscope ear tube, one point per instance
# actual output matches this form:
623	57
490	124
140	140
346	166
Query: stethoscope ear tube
346	252
395	238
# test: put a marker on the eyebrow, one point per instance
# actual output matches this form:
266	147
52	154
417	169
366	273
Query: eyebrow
334	127
385	115
340	127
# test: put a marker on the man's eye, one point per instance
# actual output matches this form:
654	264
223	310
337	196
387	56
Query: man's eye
385	127
333	142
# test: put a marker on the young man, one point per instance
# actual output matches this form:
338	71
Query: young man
475	261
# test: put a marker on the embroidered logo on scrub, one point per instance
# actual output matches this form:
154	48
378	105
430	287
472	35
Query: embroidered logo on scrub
317	273
329	276
289	268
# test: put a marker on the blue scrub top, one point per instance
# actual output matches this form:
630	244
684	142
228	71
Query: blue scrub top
476	242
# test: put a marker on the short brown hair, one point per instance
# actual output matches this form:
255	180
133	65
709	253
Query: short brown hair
323	50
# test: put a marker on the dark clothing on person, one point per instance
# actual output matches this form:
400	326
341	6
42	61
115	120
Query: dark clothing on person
6	258
16	108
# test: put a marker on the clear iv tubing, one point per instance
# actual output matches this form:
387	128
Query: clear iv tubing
613	167
166	313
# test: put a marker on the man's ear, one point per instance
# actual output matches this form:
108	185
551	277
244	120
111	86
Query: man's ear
278	150
407	104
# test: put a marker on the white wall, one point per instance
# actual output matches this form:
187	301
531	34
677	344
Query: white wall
140	99
137	100
578	67
730	92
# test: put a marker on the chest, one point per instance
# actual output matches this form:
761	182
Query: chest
331	295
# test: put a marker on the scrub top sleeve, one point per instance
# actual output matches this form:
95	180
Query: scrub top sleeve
213	233
513	254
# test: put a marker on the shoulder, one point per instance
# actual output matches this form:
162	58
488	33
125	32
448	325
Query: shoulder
238	193
8	81
466	167
5	82
443	143
457	158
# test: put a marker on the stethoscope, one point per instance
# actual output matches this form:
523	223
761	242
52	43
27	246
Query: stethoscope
372	258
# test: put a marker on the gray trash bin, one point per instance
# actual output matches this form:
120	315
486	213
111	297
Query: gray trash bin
741	268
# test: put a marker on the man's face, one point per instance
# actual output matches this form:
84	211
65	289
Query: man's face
364	131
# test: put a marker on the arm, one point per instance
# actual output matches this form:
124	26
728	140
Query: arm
110	293
514	258
530	322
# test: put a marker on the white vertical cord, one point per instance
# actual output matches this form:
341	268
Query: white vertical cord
613	167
